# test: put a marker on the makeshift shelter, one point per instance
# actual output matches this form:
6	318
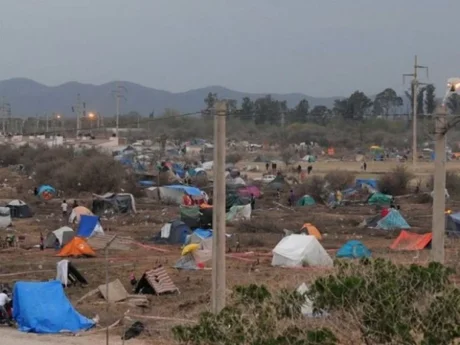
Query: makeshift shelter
190	215
157	282
77	212
411	241
195	255
113	202
239	213
19	209
66	272
247	191
175	232
300	250
393	220
278	183
199	235
380	199
43	307
360	182
5	217
353	250
453	223
306	200
46	192
64	235
77	247
237	181
312	230
174	193
89	226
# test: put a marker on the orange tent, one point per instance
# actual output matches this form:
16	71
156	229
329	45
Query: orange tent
411	241
77	247
312	230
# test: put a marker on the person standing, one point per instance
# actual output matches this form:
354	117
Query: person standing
42	242
364	166
253	202
4	300
64	207
309	169
267	166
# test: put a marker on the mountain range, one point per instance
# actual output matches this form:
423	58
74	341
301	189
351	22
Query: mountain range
29	98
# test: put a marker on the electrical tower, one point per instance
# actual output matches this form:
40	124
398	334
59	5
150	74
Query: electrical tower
80	111
415	84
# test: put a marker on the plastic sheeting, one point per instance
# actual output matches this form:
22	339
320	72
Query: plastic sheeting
239	213
5	217
44	308
393	220
89	226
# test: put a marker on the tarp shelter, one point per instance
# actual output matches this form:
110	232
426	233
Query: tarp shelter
66	271
239	213
78	247
64	235
43	307
306	200
46	192
367	181
190	215
380	199
353	250
113	202
411	241
393	220
278	183
19	209
174	193
77	212
157	282
247	191
89	226
199	235
175	232
300	250
5	217
453	223
311	230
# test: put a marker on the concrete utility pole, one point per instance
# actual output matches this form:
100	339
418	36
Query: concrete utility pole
118	93
218	244
79	110
439	197
415	85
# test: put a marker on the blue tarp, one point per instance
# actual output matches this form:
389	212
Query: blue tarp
87	225
193	191
353	249
369	181
178	170
45	190
146	183
393	220
203	233
43	307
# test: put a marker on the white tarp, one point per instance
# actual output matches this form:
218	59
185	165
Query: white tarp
5	217
171	195
208	165
62	272
166	230
239	213
300	250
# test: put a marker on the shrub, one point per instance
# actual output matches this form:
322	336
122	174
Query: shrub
234	157
396	182
340	179
288	155
314	186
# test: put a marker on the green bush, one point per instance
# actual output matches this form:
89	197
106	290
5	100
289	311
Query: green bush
340	179
396	182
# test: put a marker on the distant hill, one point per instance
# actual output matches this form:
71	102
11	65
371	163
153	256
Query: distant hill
28	98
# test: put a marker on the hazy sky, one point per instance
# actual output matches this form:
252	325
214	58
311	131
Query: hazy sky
317	47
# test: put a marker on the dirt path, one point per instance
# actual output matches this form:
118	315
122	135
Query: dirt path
13	337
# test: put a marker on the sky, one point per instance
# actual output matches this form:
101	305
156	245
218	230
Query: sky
320	48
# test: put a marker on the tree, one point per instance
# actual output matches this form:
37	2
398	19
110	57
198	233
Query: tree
430	98
453	104
210	100
287	155
353	108
386	101
247	110
420	100
300	112
319	114
232	104
267	110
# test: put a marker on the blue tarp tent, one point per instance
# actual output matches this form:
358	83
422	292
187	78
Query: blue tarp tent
46	192
43	307
193	191
369	181
203	233
87	226
353	249
393	220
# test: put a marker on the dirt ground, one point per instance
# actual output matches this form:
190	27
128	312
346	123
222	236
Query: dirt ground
337	226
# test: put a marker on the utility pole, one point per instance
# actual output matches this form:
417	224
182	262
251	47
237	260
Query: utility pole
218	244
118	93
46	125
79	110
415	85
439	197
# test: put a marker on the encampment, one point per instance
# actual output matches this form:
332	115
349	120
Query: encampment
64	235
300	250
43	307
19	209
113	202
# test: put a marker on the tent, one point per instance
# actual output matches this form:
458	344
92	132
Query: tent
113	202
380	199
64	235
393	220
77	247
5	217
299	250
453	223
278	183
174	193
175	232
239	213
360	182
237	181
46	192
43	307
246	192
311	230
199	235
190	215
354	250
306	200
411	241
19	209
89	226
77	212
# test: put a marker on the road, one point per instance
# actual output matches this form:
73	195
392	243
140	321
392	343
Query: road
10	336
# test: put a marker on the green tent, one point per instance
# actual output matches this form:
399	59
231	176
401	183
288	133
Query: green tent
278	183
306	200
380	199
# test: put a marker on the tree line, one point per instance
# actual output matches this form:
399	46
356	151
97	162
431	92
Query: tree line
357	107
